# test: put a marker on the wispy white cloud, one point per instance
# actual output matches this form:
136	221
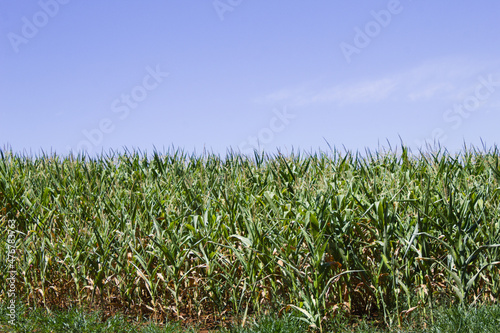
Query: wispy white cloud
360	92
445	79
430	90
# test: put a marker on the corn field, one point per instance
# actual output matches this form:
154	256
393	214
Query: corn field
206	237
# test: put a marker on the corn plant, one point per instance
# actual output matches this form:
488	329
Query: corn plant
217	239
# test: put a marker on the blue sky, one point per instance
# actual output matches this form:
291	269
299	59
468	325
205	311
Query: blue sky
93	75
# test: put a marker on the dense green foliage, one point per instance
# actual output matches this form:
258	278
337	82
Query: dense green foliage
212	239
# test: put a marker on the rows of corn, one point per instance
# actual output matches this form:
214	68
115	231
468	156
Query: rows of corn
208	237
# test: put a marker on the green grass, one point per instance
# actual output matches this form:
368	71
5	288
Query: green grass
470	320
220	240
78	321
454	319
